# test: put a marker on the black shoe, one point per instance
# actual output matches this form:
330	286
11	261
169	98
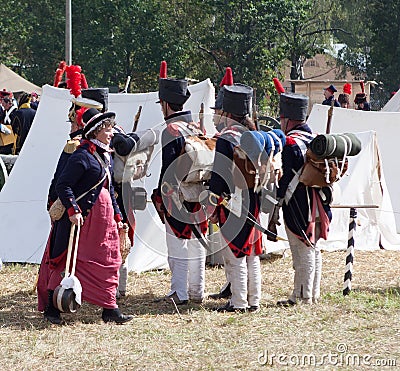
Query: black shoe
55	318
175	299
230	308
115	315
285	303
253	308
225	293
51	313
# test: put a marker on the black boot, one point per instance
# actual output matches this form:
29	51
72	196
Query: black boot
225	292
228	307
51	313
115	315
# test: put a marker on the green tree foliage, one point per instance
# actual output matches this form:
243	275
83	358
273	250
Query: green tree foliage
372	49
350	16
114	39
383	19
32	37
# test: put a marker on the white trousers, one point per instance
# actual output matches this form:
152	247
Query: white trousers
187	262
244	274
307	265
123	277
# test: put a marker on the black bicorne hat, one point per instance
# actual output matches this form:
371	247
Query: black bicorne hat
92	118
173	91
293	106
237	99
99	95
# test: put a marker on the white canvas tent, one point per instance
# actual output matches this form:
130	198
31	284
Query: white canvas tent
393	105
11	81
372	178
25	222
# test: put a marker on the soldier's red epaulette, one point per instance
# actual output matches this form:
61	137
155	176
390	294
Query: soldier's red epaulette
290	141
173	129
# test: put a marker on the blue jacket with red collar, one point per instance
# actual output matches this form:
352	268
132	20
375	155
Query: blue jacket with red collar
172	147
80	174
296	213
241	237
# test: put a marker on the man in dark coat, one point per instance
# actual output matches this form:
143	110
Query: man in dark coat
186	255
306	210
361	103
243	241
7	113
22	120
329	94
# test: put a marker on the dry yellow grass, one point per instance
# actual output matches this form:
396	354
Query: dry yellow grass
344	333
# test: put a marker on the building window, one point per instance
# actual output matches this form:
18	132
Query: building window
312	63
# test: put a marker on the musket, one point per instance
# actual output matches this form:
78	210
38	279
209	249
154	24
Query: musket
201	117
249	219
330	114
136	121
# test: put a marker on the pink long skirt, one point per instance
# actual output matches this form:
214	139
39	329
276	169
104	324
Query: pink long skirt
98	259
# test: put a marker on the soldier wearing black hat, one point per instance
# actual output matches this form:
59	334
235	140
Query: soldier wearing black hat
305	212
361	103
186	255
360	99
243	241
329	94
22	120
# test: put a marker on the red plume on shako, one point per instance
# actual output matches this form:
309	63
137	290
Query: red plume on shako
278	86
74	79
228	78
347	88
163	70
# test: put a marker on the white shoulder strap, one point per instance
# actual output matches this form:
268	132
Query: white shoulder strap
105	166
187	129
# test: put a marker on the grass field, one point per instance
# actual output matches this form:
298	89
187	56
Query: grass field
360	331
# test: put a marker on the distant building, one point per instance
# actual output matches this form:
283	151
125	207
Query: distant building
320	72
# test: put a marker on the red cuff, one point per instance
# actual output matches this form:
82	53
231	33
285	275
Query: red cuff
72	211
117	218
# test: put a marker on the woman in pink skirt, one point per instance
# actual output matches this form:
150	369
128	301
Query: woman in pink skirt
98	258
